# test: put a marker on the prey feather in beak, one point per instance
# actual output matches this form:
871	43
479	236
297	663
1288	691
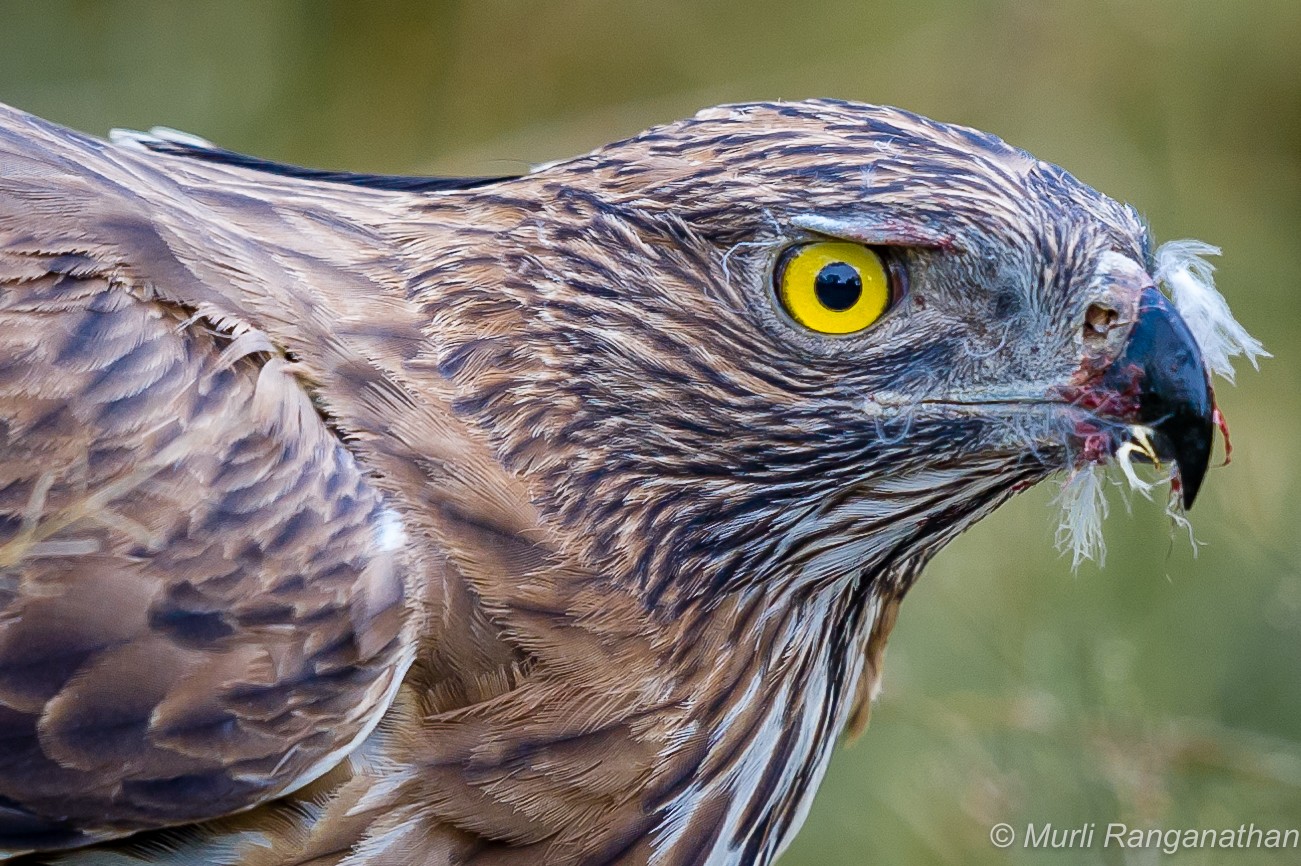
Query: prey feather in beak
1163	374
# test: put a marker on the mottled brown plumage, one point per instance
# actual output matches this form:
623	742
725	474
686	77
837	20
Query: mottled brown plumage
541	450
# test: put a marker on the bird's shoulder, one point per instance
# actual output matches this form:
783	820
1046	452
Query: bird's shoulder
204	600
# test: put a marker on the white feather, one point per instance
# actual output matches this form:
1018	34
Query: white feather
1188	276
1084	507
137	140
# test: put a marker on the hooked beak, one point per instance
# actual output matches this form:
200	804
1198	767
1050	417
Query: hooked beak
1162	368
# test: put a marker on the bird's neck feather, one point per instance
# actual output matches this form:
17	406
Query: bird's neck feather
715	747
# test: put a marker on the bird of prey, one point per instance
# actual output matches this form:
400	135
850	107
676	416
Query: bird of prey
356	520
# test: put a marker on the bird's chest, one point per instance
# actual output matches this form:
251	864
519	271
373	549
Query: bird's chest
746	808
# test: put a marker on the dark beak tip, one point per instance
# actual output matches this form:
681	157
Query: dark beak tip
1193	457
1191	482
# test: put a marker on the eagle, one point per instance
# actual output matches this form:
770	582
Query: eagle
561	518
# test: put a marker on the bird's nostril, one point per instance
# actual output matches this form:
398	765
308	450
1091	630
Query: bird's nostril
1099	319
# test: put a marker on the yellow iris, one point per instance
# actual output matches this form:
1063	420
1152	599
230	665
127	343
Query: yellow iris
834	287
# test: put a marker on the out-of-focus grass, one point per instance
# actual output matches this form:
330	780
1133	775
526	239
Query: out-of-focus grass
1161	691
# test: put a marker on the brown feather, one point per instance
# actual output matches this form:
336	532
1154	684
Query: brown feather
269	439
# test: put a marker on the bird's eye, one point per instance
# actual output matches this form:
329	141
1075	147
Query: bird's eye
834	287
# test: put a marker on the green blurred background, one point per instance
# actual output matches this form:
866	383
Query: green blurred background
1161	690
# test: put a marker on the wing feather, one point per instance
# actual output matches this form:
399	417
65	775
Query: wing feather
204	599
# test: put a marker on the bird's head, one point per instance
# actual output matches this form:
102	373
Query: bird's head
795	344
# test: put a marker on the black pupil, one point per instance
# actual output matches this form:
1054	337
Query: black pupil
838	286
